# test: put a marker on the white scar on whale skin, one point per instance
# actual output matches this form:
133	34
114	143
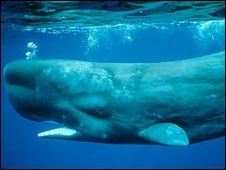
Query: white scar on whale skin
170	103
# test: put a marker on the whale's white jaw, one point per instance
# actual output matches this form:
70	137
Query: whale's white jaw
60	133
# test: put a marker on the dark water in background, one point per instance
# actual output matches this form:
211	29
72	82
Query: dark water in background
121	42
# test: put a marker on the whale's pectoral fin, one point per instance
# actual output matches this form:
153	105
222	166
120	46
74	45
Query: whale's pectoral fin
166	134
61	133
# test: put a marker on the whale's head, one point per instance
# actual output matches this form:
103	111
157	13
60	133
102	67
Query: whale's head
38	88
68	93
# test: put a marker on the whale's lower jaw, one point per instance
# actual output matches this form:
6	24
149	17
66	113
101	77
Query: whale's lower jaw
60	133
162	133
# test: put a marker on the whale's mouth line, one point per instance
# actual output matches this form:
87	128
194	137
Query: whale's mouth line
62	132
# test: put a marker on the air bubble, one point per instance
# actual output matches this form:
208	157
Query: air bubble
32	50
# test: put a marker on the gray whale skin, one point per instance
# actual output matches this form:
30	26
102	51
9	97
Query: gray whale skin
170	103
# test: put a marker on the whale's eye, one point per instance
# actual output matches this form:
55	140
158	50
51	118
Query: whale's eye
92	104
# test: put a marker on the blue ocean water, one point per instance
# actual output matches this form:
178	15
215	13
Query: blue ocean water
21	148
